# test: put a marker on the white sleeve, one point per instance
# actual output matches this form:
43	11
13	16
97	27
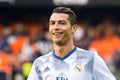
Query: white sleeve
100	70
34	73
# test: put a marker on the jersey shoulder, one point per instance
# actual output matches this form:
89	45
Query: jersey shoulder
85	53
42	59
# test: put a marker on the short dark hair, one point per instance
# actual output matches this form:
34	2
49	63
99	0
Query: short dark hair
69	12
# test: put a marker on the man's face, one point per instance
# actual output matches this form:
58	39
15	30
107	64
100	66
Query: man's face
60	29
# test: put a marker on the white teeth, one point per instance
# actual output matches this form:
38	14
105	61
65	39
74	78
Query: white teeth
57	33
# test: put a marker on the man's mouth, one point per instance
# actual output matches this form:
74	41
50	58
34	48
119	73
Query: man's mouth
57	33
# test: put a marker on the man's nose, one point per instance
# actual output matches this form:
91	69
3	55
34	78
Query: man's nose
56	26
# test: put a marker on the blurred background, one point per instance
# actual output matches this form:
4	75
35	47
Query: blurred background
24	32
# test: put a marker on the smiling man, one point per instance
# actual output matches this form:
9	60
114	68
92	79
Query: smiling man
66	61
61	32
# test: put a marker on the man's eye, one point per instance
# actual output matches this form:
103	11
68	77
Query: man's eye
51	23
62	23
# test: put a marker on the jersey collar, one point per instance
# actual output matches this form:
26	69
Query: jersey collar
62	58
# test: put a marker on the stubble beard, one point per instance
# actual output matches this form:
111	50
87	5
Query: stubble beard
60	43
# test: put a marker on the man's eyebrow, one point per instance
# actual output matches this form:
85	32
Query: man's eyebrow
57	21
62	21
51	20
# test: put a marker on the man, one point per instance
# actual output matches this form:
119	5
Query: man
66	61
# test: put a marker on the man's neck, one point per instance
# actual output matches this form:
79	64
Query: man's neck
61	51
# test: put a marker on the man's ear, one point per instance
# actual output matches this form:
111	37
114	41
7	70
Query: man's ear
74	28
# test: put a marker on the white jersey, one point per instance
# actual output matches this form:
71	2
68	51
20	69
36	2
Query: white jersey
78	64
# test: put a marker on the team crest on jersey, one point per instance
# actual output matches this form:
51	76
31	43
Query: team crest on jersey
78	67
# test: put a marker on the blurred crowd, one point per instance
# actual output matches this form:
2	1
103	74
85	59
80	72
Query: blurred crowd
24	40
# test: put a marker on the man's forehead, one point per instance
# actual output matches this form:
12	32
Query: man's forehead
59	16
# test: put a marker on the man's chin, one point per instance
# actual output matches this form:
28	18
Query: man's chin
59	43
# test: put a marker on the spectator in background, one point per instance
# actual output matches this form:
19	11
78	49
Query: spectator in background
18	38
7	57
16	41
